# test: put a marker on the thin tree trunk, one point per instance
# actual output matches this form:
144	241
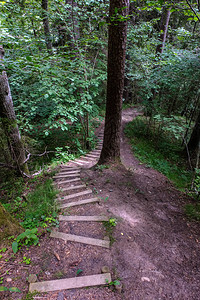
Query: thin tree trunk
9	122
163	29
117	35
46	26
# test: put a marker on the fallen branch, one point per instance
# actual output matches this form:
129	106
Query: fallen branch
39	155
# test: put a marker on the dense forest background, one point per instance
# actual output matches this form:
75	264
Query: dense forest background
56	62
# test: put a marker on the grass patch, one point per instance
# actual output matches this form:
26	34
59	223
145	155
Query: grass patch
193	211
40	206
159	151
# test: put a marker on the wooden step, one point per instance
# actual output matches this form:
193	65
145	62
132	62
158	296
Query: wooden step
73	187
80	239
84	218
88	158
82	161
76	162
64	172
68	181
75	195
92	156
80	202
65	176
70	283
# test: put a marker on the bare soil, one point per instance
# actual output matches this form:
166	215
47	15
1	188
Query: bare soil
155	253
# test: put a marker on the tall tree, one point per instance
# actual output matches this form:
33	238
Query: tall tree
9	122
164	22
117	35
46	25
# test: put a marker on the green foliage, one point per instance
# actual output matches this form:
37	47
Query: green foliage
193	211
27	238
11	289
40	206
101	167
111	283
109	226
159	151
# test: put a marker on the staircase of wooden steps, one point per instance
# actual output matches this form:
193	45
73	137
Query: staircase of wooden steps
74	193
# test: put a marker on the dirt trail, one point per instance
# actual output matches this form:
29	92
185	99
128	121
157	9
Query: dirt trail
156	253
156	249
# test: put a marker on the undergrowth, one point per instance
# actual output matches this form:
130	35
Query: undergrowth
159	150
38	207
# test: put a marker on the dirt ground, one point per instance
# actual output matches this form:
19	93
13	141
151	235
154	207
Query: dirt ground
155	253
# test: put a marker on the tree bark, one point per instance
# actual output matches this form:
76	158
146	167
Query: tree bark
164	22
46	26
193	143
117	35
9	122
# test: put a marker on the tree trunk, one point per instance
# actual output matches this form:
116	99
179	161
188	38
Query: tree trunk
46	26
164	22
9	122
115	83
195	136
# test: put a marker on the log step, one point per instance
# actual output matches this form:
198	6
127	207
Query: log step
84	218
65	175
75	195
68	181
65	172
73	188
70	283
81	161
80	202
80	239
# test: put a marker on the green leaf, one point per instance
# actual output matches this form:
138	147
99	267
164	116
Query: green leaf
3	288
78	272
14	289
15	246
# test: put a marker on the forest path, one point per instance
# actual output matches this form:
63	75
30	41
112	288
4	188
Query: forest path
78	229
156	253
156	249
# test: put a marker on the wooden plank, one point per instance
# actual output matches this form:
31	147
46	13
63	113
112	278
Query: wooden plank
68	181
64	176
84	218
75	195
82	161
80	202
92	156
76	162
73	188
64	172
80	239
87	158
70	283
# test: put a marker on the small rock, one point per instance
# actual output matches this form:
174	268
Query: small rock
105	269
106	238
110	190
47	273
145	279
8	279
32	278
60	296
